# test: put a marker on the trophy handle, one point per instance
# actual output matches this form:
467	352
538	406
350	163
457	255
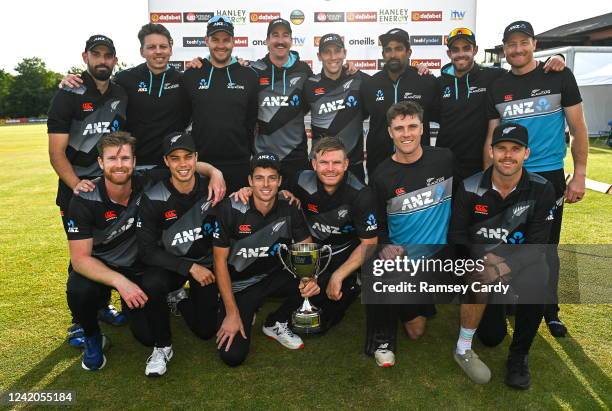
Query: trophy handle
329	257
282	260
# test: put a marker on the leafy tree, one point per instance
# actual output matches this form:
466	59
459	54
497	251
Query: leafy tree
6	80
31	89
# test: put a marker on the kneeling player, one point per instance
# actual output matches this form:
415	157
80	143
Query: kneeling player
174	239
339	211
506	198
247	268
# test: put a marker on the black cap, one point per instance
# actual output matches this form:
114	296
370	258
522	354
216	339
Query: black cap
518	27
100	39
510	132
266	160
177	141
397	35
461	33
328	39
278	22
220	23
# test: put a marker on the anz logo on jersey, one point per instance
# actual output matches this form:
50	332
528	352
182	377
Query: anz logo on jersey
256	252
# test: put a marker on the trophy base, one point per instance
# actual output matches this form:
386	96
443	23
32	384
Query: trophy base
306	323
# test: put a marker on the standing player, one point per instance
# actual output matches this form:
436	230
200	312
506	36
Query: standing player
396	82
542	103
174	239
155	105
77	119
462	87
247	269
282	77
488	202
223	96
336	106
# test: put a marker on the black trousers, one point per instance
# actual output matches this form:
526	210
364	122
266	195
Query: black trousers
249	300
86	297
199	311
557	179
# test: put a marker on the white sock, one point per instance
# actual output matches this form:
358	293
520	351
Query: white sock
464	342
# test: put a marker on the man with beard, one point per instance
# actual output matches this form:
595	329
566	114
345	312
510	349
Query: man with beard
155	105
281	101
77	119
507	198
336	106
223	97
396	82
462	87
102	240
174	231
542	103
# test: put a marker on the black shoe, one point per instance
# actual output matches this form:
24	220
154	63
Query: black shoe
517	372
557	328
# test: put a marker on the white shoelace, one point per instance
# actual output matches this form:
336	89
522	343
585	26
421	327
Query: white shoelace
284	329
157	355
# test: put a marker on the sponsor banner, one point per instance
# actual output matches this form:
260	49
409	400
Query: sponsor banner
297	17
163	17
263	17
364	41
427	15
241	42
363	64
393	16
426	40
197	16
194	42
328	17
360	23
432	64
237	16
361	16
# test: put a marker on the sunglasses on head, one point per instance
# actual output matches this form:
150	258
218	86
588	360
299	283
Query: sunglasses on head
461	30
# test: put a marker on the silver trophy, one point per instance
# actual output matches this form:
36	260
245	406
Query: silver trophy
305	264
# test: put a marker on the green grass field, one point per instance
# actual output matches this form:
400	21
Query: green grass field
331	372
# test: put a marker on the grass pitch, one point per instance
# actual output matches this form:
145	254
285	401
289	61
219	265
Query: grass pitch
331	372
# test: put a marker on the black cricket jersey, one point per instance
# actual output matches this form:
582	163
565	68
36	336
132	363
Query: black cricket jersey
536	100
414	200
336	109
482	216
254	239
85	115
155	109
174	230
112	226
282	107
380	93
339	219
224	111
463	119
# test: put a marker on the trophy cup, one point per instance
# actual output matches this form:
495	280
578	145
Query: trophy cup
305	263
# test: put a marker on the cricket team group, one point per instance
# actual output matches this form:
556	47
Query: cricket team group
201	177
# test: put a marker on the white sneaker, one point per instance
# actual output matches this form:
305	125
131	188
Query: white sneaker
175	297
283	334
383	356
156	363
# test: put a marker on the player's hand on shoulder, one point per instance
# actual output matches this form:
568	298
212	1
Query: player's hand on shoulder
293	200
84	186
71	81
242	195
